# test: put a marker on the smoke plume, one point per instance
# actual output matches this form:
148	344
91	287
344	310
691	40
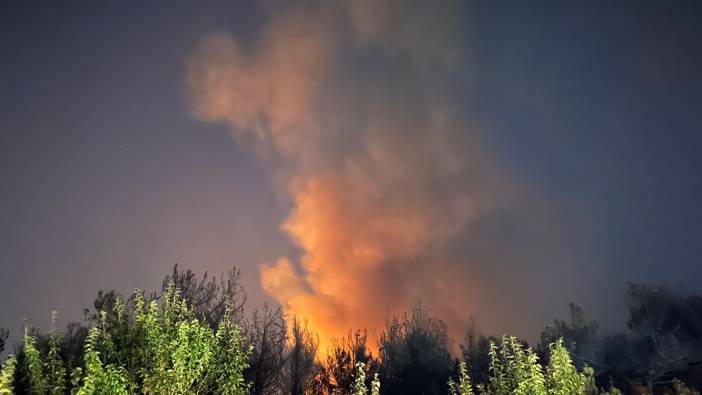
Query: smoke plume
395	195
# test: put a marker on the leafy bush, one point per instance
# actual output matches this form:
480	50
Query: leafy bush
415	354
37	381
99	378
338	374
463	386
359	385
163	348
170	344
562	378
515	369
7	376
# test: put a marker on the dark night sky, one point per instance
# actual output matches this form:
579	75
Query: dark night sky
106	180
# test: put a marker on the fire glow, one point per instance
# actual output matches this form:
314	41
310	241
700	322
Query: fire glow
385	178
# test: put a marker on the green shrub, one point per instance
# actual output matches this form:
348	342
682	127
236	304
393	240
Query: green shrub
562	378
463	386
182	355
515	369
359	384
54	369
99	378
162	348
7	376
38	384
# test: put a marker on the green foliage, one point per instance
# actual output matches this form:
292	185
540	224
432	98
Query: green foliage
163	348
176	347
182	355
54	369
514	370
38	384
562	378
375	385
359	384
463	386
590	383
228	362
7	376
99	378
171	345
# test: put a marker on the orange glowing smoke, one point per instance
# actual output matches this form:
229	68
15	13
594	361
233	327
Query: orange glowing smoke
347	104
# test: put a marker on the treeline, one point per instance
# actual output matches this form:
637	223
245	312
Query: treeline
192	337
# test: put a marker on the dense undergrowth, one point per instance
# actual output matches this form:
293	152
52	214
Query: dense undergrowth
193	338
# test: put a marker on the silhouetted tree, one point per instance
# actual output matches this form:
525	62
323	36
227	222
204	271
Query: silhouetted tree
338	374
664	340
300	358
72	345
415	354
579	337
61	352
267	333
103	308
615	353
209	297
476	354
668	331
4	334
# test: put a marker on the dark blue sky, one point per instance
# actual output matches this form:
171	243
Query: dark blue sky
106	180
599	105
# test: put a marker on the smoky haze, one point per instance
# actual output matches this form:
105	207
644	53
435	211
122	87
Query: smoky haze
495	160
395	195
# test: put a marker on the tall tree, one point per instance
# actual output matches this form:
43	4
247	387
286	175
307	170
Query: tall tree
668	331
210	298
579	336
338	374
476	354
300	358
266	334
415	354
